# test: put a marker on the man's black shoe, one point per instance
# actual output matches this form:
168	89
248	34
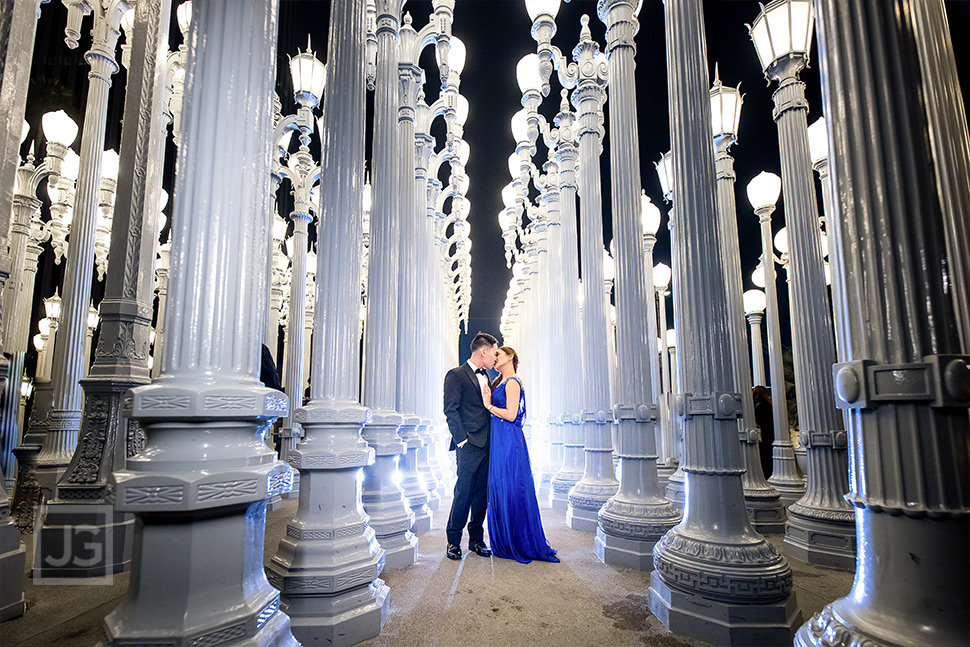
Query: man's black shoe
453	552
479	548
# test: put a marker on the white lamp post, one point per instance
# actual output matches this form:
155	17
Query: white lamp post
763	192
821	527
755	303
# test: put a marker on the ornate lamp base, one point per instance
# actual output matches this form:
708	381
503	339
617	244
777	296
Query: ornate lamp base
829	541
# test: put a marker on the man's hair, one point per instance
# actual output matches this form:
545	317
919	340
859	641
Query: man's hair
481	340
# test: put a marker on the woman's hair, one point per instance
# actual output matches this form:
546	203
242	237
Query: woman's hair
761	394
508	350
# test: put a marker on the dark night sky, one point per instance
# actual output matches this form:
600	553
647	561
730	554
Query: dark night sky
497	34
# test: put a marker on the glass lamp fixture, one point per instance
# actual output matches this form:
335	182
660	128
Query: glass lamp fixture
44	326
609	266
758	276
288	247
536	8
368	197
763	190
279	228
93	318
52	307
823	240
612	314
127	22
309	77
818	141
503	220
520	126
26	386
783	28
71	166
827	269
24	131
311	265
781	240
109	165
508	195
754	301
663	172
184	16
464	152
661	276
725	109
649	214
463	183
456	55
527	74
59	128
39	341
461	110
671	337
515	167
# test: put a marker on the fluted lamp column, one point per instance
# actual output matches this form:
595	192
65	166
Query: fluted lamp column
763	191
750	601
598	483
637	516
660	279
383	498
328	562
755	303
903	377
200	488
65	415
762	501
820	528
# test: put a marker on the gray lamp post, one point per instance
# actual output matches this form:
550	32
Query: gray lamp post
566	154
634	519
383	499
755	303
327	564
763	193
661	281
760	498
65	415
200	487
820	527
902	378
751	602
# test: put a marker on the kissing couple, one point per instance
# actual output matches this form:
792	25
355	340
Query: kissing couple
494	471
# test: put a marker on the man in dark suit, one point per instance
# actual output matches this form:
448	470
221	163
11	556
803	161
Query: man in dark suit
469	423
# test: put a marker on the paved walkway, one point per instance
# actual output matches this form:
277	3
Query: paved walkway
438	602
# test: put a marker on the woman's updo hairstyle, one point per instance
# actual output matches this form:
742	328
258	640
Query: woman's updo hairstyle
508	350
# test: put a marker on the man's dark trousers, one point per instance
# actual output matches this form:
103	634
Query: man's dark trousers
471	495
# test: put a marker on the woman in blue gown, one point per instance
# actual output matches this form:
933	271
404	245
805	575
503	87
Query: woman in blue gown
514	527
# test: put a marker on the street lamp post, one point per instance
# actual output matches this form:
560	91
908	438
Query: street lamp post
598	483
327	565
762	501
755	303
200	487
909	483
65	415
763	193
660	279
390	516
753	602
820	527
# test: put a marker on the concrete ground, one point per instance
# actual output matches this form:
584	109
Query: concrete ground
436	601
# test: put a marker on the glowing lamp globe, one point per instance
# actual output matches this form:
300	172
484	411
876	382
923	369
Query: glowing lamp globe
754	301
664	173
520	126
44	326
24	131
127	22
649	214
71	166
609	266
515	167
783	28
109	165
537	8
781	240
527	74
464	152
184	16
661	275
59	128
758	276
508	195
671	338
763	190
93	318
818	141
456	55
461	110
368	197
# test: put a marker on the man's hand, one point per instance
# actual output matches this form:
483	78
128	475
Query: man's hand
486	396
462	443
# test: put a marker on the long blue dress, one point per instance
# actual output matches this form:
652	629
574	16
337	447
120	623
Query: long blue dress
514	526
